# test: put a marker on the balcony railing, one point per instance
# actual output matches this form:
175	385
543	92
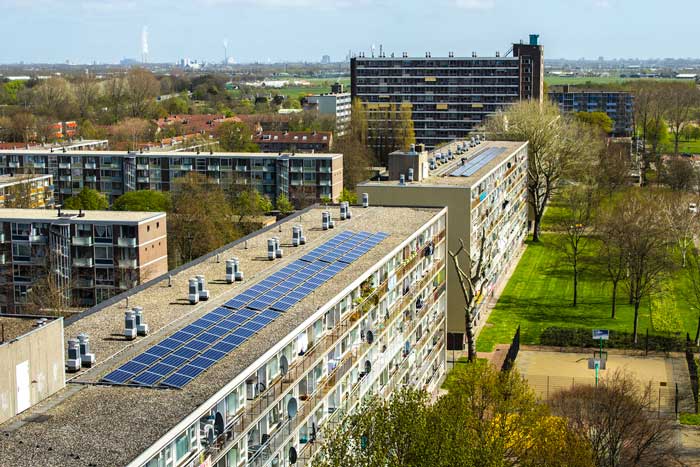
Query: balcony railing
127	284
64	165
90	165
82	241
127	263
317	350
82	262
84	283
127	242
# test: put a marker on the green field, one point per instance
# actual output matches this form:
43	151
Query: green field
539	295
318	86
691	147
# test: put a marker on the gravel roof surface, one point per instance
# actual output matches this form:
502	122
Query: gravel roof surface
441	176
111	425
14	326
88	216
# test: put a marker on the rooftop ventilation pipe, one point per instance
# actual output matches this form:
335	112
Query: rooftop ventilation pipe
410	174
365	200
201	288
233	272
129	325
271	249
278	247
141	327
73	362
193	291
87	359
402	179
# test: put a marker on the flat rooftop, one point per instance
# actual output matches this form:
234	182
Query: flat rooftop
87	216
111	425
441	175
12	327
8	180
156	153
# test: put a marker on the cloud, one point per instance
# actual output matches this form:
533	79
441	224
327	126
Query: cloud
319	4
475	4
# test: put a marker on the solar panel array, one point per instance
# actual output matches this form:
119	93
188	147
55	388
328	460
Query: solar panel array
182	356
476	163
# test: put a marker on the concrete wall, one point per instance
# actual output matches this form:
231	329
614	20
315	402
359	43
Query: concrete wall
43	349
152	249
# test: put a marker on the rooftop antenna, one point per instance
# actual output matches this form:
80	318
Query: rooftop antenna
144	44
372	50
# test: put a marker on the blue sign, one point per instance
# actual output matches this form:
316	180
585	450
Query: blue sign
601	334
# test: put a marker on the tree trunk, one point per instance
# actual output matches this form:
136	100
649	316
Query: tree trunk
697	333
536	228
631	295
575	285
614	299
471	348
636	320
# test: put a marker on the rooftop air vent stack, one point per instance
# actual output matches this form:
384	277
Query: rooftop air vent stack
410	174
129	325
343	211
325	220
193	291
412	149
278	248
270	249
201	288
298	237
347	209
87	359
230	273
402	179
237	273
141	327
73	363
365	200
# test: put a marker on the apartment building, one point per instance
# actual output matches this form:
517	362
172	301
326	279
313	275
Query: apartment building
258	373
618	105
449	96
91	255
303	178
336	103
294	141
484	187
26	191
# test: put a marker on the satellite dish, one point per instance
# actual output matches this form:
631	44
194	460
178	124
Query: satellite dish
368	366
292	455
370	337
292	407
284	365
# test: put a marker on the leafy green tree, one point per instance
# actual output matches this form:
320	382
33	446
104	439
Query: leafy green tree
143	200
236	136
87	200
597	119
348	195
248	204
283	204
11	90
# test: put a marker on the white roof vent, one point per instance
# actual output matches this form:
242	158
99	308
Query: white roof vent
87	359
233	272
73	363
193	295
141	326
278	248
129	325
298	237
365	200
201	288
271	249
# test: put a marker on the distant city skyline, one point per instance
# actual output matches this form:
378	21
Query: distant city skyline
106	31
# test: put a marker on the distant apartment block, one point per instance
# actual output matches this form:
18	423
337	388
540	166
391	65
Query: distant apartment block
294	141
336	103
181	124
448	96
618	105
26	191
92	255
304	178
485	190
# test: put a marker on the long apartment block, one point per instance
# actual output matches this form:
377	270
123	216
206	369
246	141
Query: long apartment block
26	191
448	96
304	178
618	105
260	371
484	187
90	255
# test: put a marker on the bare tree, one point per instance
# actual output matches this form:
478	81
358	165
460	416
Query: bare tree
679	173
48	296
693	271
612	172
617	417
143	87
558	148
576	226
681	221
87	94
54	98
646	244
612	253
115	92
679	100
470	279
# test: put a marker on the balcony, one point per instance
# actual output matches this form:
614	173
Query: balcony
315	353
213	168
82	241
141	166
325	170
2	258
90	178
127	263
39	165
13	165
126	242
65	178
84	283
185	167
142	179
127	284
82	262
34	238
64	165
90	165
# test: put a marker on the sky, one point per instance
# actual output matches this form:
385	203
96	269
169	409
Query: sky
105	31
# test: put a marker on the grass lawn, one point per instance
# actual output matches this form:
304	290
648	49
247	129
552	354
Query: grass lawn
539	295
318	86
691	147
689	419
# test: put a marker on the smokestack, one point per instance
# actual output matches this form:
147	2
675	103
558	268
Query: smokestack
144	44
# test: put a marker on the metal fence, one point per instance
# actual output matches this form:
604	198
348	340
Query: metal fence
665	399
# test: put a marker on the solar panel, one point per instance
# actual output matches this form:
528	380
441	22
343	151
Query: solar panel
477	162
183	355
